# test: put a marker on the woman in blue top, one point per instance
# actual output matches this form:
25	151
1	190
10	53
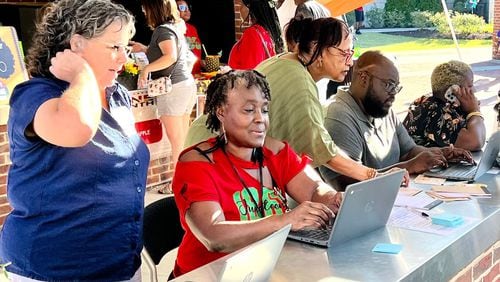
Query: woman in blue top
78	174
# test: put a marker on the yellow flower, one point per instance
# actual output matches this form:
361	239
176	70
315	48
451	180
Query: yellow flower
130	68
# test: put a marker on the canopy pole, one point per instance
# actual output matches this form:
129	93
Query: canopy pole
448	19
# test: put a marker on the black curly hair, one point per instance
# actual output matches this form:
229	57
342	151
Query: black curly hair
222	84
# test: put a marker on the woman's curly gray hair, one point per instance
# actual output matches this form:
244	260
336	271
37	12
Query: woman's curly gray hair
65	18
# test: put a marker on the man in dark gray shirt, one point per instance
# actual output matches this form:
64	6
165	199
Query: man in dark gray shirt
362	123
311	9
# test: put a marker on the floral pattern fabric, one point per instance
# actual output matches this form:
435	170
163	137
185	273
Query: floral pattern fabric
432	122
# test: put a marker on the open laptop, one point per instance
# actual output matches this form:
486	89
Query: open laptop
255	262
366	206
468	172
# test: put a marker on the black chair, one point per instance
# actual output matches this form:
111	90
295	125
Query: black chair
162	232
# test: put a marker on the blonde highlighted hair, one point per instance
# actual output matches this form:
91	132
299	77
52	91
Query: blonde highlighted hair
447	74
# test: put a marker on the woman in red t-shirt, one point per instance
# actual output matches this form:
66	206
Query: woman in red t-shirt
261	40
191	34
231	189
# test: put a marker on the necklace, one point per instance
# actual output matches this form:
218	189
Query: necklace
259	207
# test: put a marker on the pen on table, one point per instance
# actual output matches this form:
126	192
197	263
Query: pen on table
424	214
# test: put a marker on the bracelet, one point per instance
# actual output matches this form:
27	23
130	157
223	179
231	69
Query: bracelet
371	173
472	114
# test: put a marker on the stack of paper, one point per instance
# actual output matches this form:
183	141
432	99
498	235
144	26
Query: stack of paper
460	191
416	200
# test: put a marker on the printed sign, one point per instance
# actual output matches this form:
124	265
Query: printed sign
148	125
12	69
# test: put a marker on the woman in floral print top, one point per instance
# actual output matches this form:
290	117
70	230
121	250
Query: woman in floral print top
433	121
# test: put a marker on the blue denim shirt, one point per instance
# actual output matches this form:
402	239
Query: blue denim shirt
77	212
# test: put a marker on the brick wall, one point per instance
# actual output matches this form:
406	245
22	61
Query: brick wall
496	29
485	268
237	20
4	167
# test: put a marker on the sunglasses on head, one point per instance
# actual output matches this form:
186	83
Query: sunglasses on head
183	7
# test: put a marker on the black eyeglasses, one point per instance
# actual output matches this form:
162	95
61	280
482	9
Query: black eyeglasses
347	54
390	86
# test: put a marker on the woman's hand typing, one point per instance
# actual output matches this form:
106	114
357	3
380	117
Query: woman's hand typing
309	215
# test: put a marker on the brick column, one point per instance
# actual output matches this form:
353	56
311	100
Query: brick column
496	29
4	168
237	20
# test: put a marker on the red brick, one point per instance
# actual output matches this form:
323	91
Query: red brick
4	168
484	264
165	176
153	163
3	179
3	189
152	180
5	208
493	275
496	254
466	277
165	160
160	169
2	219
4	148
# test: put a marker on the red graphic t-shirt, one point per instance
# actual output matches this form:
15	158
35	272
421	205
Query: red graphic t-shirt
194	44
217	181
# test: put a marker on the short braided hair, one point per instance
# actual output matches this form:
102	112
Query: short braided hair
218	89
447	74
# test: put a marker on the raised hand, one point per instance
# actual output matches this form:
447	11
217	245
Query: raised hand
66	65
468	101
309	215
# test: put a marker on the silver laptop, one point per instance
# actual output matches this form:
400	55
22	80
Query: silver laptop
366	206
468	172
255	262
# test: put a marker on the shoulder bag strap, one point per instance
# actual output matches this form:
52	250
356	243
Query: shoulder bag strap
263	43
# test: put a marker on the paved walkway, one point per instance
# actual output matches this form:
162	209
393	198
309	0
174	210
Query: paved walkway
415	68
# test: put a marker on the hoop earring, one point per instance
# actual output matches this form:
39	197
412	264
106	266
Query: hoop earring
223	132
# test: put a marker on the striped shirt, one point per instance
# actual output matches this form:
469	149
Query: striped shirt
295	113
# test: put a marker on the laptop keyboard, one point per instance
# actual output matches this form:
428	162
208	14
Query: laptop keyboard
461	171
318	234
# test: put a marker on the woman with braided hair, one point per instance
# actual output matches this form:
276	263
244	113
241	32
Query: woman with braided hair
262	39
237	195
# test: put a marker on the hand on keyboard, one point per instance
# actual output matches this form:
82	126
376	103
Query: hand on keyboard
309	215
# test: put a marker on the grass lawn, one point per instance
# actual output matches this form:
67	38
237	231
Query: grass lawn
394	43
